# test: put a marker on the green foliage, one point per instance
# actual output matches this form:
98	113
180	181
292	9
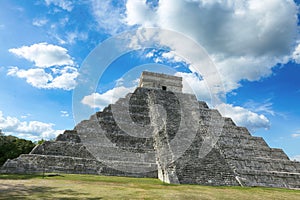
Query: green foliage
41	141
11	147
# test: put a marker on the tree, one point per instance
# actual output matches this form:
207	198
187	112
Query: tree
11	147
41	141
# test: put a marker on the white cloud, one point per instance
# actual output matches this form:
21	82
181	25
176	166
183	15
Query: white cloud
64	78
60	73
25	116
237	27
245	39
33	130
297	158
244	117
296	54
64	113
35	77
144	15
96	100
109	15
64	4
296	134
72	37
44	55
39	22
194	85
171	56
264	107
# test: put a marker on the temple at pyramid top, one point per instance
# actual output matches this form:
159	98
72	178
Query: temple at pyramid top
161	81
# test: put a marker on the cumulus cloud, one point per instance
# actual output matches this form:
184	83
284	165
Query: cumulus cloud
64	4
64	78
236	27
194	85
96	100
296	54
36	77
297	158
144	15
44	55
54	68
33	130
244	117
245	39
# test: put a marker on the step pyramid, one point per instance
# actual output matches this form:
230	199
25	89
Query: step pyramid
158	131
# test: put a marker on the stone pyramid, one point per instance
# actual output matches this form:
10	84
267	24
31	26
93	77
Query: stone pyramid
158	131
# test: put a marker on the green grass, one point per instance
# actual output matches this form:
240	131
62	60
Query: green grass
71	186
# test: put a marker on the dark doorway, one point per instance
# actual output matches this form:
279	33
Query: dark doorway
164	87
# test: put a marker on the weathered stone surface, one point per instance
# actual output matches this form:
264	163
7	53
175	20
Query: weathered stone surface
166	134
161	81
59	148
69	136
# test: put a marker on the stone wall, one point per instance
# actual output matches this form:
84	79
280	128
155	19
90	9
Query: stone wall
160	81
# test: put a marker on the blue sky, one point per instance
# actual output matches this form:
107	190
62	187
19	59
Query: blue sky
46	46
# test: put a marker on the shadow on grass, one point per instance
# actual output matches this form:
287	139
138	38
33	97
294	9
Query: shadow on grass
21	191
26	176
20	176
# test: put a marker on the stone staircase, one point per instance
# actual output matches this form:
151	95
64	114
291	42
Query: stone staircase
169	135
254	162
113	141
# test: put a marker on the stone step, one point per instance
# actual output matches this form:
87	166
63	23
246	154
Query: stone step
87	124
122	100
212	113
242	151
188	98
125	118
129	106
235	131
130	167
203	104
229	122
127	141
123	154
227	128
59	148
33	163
69	136
265	178
243	140
92	136
256	163
127	111
134	101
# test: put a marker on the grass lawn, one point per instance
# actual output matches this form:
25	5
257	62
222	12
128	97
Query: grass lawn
71	186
